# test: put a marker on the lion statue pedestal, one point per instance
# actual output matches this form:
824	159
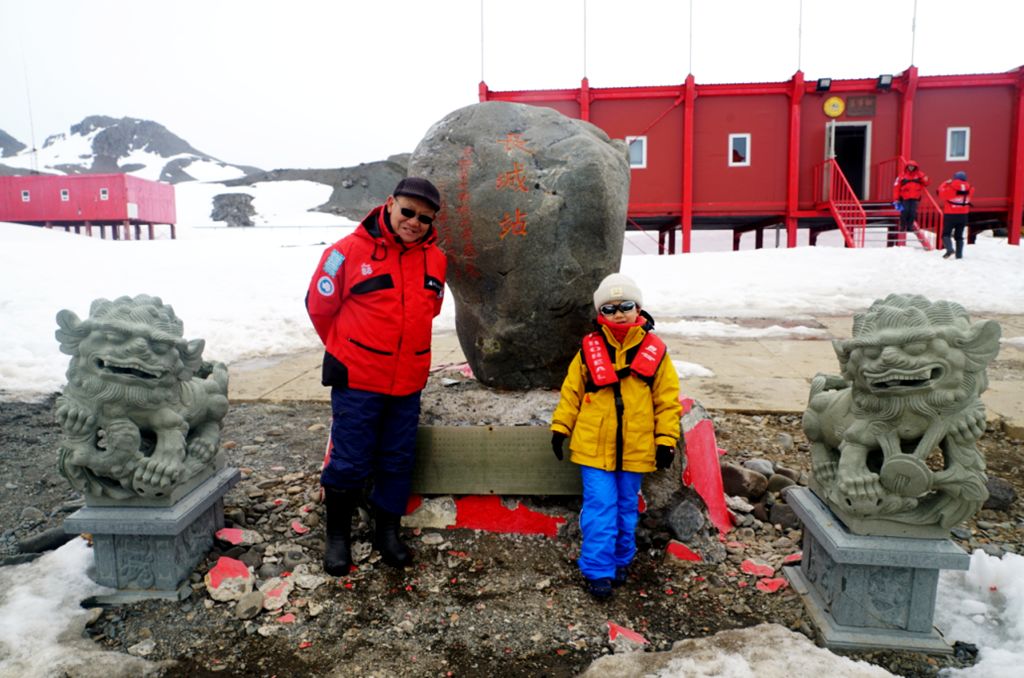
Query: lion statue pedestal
894	466
141	417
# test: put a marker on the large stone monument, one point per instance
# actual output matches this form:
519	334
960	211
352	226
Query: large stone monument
533	217
894	466
141	417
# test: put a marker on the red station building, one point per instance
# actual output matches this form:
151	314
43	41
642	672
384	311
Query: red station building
85	201
817	155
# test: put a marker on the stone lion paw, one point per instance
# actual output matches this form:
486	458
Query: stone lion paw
861	485
75	419
201	449
156	472
825	471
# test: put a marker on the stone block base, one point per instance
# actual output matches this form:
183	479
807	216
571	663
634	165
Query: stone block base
869	592
150	552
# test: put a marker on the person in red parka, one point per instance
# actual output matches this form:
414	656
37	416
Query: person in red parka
955	195
372	301
906	195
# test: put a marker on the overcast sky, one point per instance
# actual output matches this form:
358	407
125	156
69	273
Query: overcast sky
328	84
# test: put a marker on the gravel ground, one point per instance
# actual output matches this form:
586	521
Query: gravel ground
474	603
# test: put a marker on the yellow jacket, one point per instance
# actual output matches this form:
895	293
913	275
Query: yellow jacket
650	415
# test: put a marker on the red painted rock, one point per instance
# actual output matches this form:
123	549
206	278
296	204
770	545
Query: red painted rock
677	550
229	579
758	569
771	585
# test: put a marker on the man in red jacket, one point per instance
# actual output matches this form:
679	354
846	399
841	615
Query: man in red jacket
906	195
955	195
372	300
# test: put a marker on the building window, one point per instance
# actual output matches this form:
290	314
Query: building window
26	196
637	152
65	195
958	143
104	194
739	150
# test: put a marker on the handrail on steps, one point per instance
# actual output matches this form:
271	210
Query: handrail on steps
831	187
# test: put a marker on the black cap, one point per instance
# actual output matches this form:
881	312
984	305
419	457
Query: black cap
417	187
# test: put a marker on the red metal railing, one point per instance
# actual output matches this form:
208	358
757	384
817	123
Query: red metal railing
831	187
929	215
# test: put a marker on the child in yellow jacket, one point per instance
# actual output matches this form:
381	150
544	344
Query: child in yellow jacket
620	411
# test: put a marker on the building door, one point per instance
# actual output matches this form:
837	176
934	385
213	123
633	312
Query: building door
850	144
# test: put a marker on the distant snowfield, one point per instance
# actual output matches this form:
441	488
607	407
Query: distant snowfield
243	289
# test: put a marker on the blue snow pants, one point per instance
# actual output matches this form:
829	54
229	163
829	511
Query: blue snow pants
373	436
608	521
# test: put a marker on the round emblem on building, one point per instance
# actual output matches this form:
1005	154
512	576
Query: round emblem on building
834	107
325	285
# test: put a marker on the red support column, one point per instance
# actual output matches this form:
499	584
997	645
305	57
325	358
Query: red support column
483	91
585	100
686	219
906	131
127	230
88	228
796	96
1013	217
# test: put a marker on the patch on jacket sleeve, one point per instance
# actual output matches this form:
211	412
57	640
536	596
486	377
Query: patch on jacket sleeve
334	261
325	285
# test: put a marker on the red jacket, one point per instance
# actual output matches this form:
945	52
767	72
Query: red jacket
909	185
372	300
955	195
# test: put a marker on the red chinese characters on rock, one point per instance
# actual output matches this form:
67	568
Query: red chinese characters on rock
515	225
513	180
465	216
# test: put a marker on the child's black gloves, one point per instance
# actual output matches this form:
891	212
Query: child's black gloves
663	456
556	444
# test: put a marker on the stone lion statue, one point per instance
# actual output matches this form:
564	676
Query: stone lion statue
893	438
141	411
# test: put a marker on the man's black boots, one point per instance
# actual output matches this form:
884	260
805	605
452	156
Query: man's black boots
385	539
338	508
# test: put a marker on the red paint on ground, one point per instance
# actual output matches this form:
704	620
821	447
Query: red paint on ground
477	512
793	558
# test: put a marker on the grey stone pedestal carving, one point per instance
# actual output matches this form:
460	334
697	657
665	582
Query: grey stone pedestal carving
149	552
869	591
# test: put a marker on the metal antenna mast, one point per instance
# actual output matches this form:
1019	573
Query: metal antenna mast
913	34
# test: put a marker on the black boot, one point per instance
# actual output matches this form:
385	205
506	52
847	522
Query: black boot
339	506
385	539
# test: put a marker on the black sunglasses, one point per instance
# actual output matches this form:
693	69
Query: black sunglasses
611	309
422	218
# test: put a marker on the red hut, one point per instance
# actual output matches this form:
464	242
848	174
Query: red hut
817	155
119	201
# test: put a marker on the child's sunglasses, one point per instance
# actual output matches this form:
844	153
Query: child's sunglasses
624	306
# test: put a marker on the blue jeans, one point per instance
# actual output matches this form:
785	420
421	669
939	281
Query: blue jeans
373	435
608	521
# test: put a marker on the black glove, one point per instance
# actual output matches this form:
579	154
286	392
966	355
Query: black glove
556	444
663	457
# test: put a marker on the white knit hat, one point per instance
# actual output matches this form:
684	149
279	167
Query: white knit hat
617	287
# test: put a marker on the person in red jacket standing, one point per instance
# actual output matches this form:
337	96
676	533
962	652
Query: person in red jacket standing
955	195
906	195
372	300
